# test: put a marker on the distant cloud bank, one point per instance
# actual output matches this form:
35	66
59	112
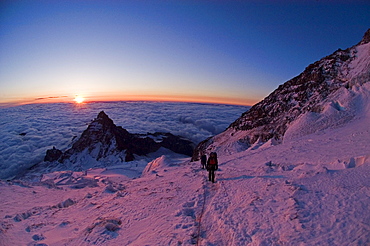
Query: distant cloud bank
27	131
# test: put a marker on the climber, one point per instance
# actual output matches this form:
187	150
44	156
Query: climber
203	161
212	166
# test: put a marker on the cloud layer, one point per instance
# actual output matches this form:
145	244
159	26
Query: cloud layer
27	131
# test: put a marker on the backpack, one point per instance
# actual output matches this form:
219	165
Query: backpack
212	161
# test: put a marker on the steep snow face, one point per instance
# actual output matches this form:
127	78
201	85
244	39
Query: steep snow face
359	68
345	106
314	97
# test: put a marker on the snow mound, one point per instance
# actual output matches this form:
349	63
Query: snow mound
352	162
102	230
155	165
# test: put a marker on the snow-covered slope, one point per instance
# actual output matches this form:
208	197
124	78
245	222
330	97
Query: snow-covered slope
325	91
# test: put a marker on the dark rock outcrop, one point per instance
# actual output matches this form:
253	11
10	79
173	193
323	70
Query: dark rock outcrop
366	38
53	154
177	144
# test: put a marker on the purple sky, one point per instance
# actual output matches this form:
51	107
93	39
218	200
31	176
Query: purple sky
219	51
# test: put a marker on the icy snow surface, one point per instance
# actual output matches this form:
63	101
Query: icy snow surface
27	131
312	189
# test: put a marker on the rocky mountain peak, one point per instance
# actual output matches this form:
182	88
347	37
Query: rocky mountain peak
104	119
104	140
101	130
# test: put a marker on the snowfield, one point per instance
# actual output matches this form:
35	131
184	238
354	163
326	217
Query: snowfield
311	189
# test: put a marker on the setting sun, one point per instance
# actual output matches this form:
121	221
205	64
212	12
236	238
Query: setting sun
79	99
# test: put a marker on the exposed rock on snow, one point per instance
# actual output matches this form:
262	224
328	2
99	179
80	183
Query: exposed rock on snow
175	143
53	154
316	92
102	230
366	38
66	203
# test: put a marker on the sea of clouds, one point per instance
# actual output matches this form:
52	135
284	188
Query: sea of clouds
27	131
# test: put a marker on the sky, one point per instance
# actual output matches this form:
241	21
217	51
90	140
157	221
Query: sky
234	52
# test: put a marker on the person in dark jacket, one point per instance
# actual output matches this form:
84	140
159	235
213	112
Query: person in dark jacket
203	161
212	166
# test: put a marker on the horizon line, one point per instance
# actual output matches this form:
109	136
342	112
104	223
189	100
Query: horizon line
68	100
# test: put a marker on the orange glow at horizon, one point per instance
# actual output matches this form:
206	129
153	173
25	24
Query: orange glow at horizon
77	99
174	98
